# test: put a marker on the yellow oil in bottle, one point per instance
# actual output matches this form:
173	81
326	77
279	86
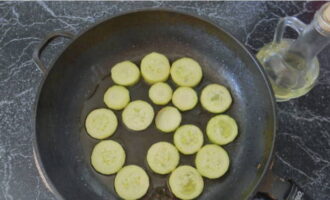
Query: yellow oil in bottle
290	74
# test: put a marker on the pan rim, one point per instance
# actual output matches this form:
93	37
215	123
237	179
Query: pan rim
36	154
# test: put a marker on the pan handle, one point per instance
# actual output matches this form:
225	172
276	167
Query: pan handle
38	50
277	188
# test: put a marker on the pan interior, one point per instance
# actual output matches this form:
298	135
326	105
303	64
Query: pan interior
80	76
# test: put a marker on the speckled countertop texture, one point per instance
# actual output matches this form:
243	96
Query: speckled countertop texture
302	151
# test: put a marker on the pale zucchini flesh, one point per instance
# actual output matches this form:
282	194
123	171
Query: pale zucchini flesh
168	119
212	161
125	73
138	115
155	67
215	98
185	98
131	182
116	97
160	93
108	157
186	183
186	72
221	129
163	157
101	123
188	139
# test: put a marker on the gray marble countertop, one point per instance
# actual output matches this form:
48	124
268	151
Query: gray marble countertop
302	150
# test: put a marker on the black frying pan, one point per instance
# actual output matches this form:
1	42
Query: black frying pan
76	82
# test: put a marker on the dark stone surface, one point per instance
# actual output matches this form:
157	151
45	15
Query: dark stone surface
302	150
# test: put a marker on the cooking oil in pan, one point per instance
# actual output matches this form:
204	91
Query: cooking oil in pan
136	144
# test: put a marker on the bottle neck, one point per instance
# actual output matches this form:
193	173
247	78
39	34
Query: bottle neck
315	37
311	42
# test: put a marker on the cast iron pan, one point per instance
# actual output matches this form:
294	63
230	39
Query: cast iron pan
77	80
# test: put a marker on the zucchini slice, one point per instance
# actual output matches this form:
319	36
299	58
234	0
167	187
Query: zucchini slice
188	139
160	93
163	157
131	182
168	119
215	98
138	115
101	123
116	97
108	157
125	73
155	67
184	98
186	72
221	129
212	161
186	183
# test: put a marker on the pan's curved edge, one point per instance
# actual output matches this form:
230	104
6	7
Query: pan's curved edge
273	104
43	175
36	154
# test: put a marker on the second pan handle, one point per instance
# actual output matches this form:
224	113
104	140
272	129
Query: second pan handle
37	51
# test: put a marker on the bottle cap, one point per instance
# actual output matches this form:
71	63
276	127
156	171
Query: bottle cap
323	19
326	13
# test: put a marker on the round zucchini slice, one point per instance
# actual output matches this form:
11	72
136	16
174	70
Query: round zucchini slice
212	161
108	157
125	73
155	67
160	93
101	123
163	157
186	72
186	183
221	129
215	98
131	182
116	97
168	119
138	115
184	98
188	139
